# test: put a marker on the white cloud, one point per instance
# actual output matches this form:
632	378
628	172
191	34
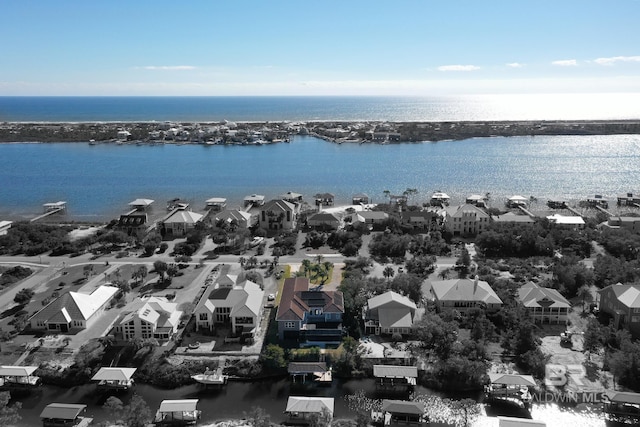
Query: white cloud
614	59
168	67
566	63
515	65
458	68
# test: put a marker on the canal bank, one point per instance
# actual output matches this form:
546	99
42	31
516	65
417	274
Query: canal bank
236	398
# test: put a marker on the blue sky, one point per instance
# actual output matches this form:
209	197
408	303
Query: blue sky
342	47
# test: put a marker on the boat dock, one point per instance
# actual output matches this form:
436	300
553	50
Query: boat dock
509	388
51	209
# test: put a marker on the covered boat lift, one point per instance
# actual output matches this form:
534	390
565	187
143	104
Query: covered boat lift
178	412
114	378
64	414
302	407
510	388
318	372
394	376
623	407
401	412
18	377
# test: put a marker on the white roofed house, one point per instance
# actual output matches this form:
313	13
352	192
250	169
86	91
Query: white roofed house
373	219
73	311
180	222
239	307
304	407
4	227
463	295
389	313
153	318
216	204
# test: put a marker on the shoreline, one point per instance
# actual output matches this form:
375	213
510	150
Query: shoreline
337	131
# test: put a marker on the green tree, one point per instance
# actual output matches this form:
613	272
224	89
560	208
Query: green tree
136	413
160	267
24	296
465	412
388	272
258	417
8	414
273	358
584	293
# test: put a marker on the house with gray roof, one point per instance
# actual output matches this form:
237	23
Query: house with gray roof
545	305
463	295
73	311
389	313
373	219
180	222
150	318
278	215
238	307
622	303
465	220
324	221
233	217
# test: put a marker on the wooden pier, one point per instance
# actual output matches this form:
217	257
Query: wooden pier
51	209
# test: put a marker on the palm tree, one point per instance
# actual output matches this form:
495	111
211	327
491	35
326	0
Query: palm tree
306	266
388	272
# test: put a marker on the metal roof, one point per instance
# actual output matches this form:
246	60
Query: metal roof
17	371
394	371
182	405
403	407
114	374
512	379
309	404
62	411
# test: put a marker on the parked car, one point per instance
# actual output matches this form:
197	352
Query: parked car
256	241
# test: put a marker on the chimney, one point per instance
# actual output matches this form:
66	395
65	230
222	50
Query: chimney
475	284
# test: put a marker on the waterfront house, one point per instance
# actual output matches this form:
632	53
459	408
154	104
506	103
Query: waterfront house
513	218
597	201
278	215
4	227
572	222
216	204
233	217
133	223
73	311
309	316
324	221
179	223
324	199
389	313
374	219
622	303
360	199
238	307
465	220
544	305
64	414
153	317
423	220
627	223
463	295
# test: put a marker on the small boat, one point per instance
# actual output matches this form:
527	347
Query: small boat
211	377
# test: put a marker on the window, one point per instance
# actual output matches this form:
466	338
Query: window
635	319
203	316
290	324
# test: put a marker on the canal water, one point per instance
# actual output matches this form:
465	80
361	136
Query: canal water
236	398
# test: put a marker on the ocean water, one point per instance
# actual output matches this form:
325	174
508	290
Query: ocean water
603	106
98	181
